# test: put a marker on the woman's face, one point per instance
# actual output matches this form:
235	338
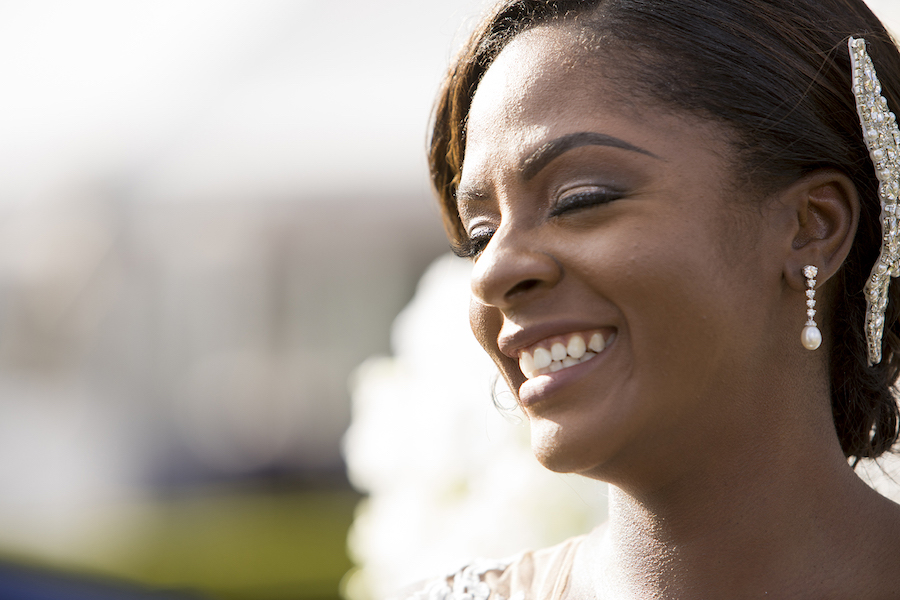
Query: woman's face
599	219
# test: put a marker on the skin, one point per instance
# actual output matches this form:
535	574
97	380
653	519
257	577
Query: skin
707	416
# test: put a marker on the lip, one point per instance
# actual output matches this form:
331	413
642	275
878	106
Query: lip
542	387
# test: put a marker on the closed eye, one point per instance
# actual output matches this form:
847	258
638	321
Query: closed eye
584	199
472	246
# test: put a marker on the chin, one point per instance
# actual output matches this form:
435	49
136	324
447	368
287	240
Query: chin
563	453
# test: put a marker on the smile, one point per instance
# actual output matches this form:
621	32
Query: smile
561	352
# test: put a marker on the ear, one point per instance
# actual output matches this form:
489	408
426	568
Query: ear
826	207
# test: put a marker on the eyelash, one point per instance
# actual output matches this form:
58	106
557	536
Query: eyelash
473	246
584	199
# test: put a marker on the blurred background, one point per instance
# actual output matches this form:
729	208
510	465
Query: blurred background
210	214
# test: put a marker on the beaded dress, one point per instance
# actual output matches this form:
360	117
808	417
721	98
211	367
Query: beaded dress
540	575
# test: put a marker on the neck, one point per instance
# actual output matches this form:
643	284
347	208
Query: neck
761	523
749	496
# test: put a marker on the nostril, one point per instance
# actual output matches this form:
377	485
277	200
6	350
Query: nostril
511	271
522	287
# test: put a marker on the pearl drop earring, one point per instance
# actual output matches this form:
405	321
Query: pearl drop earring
811	338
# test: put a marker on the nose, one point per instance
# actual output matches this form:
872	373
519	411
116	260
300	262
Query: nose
513	268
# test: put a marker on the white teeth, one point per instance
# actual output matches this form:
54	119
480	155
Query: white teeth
542	358
576	347
561	356
526	363
557	351
596	344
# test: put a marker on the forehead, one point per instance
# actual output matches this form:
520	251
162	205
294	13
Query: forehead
544	85
526	75
541	85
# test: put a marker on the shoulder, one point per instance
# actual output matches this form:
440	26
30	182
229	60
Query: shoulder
538	575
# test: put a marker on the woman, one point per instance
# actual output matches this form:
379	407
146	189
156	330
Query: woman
673	215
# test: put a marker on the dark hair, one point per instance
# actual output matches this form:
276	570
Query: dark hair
775	72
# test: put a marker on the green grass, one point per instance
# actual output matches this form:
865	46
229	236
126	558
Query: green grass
229	544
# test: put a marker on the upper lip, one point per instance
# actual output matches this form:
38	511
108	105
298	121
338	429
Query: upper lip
514	341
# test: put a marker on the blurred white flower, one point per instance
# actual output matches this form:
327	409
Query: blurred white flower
882	474
449	477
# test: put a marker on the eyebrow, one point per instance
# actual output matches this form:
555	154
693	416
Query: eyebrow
539	159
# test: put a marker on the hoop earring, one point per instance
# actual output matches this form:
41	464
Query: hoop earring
811	337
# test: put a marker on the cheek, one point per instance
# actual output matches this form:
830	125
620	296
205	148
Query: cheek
486	322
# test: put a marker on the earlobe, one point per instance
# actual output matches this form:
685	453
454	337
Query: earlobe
827	212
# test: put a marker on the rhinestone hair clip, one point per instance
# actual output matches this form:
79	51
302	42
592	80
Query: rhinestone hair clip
879	126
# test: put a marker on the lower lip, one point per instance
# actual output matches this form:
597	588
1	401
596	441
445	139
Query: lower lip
541	387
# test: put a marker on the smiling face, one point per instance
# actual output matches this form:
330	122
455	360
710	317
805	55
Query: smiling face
614	263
